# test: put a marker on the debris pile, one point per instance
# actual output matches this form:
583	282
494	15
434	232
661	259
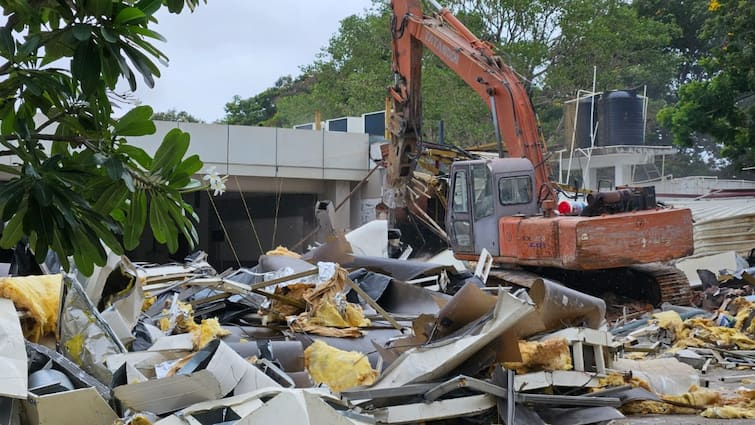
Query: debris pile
330	337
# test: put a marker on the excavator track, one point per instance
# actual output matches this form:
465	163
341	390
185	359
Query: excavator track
653	283
672	283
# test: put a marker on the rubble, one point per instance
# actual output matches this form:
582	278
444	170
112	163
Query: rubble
301	339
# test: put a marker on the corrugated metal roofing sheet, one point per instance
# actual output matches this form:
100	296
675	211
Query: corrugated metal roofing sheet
705	210
722	224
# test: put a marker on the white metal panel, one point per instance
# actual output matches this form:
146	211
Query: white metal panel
265	151
251	145
209	141
346	151
300	148
355	124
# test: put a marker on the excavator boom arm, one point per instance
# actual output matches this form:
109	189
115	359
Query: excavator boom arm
475	62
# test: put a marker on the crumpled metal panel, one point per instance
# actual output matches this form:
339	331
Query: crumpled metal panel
85	337
557	306
395	296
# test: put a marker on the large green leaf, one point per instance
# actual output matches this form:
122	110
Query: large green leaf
174	6
128	15
136	219
7	44
114	167
82	32
157	219
184	224
99	8
85	65
103	233
137	154
149	7
169	154
182	175
125	69
145	66
113	196
108	34
9	169
136	122
14	229
148	33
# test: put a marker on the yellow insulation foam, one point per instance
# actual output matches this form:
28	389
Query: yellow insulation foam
339	369
39	297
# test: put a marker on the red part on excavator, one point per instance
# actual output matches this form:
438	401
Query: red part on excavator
593	243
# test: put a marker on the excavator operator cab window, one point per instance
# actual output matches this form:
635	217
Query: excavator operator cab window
515	190
460	217
460	193
483	192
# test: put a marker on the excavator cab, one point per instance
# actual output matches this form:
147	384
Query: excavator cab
483	191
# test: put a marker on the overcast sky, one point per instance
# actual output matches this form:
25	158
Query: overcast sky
230	47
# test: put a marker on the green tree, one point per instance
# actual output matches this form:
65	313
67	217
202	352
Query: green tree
174	115
259	109
552	44
722	106
349	76
686	45
627	50
525	32
76	185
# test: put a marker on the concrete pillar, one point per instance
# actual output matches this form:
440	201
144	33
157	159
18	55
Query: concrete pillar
337	191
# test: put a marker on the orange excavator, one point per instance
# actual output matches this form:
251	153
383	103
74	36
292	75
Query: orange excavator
507	205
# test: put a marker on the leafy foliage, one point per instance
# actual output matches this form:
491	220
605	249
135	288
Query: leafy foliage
722	106
260	109
174	115
77	186
688	17
554	45
350	75
627	50
525	32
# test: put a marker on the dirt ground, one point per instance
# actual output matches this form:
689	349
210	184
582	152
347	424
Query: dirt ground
713	377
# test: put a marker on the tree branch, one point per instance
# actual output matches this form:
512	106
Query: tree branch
52	137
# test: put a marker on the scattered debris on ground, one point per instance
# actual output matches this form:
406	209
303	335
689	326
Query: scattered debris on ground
330	337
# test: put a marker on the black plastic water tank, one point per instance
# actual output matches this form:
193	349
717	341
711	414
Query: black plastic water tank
620	118
586	121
